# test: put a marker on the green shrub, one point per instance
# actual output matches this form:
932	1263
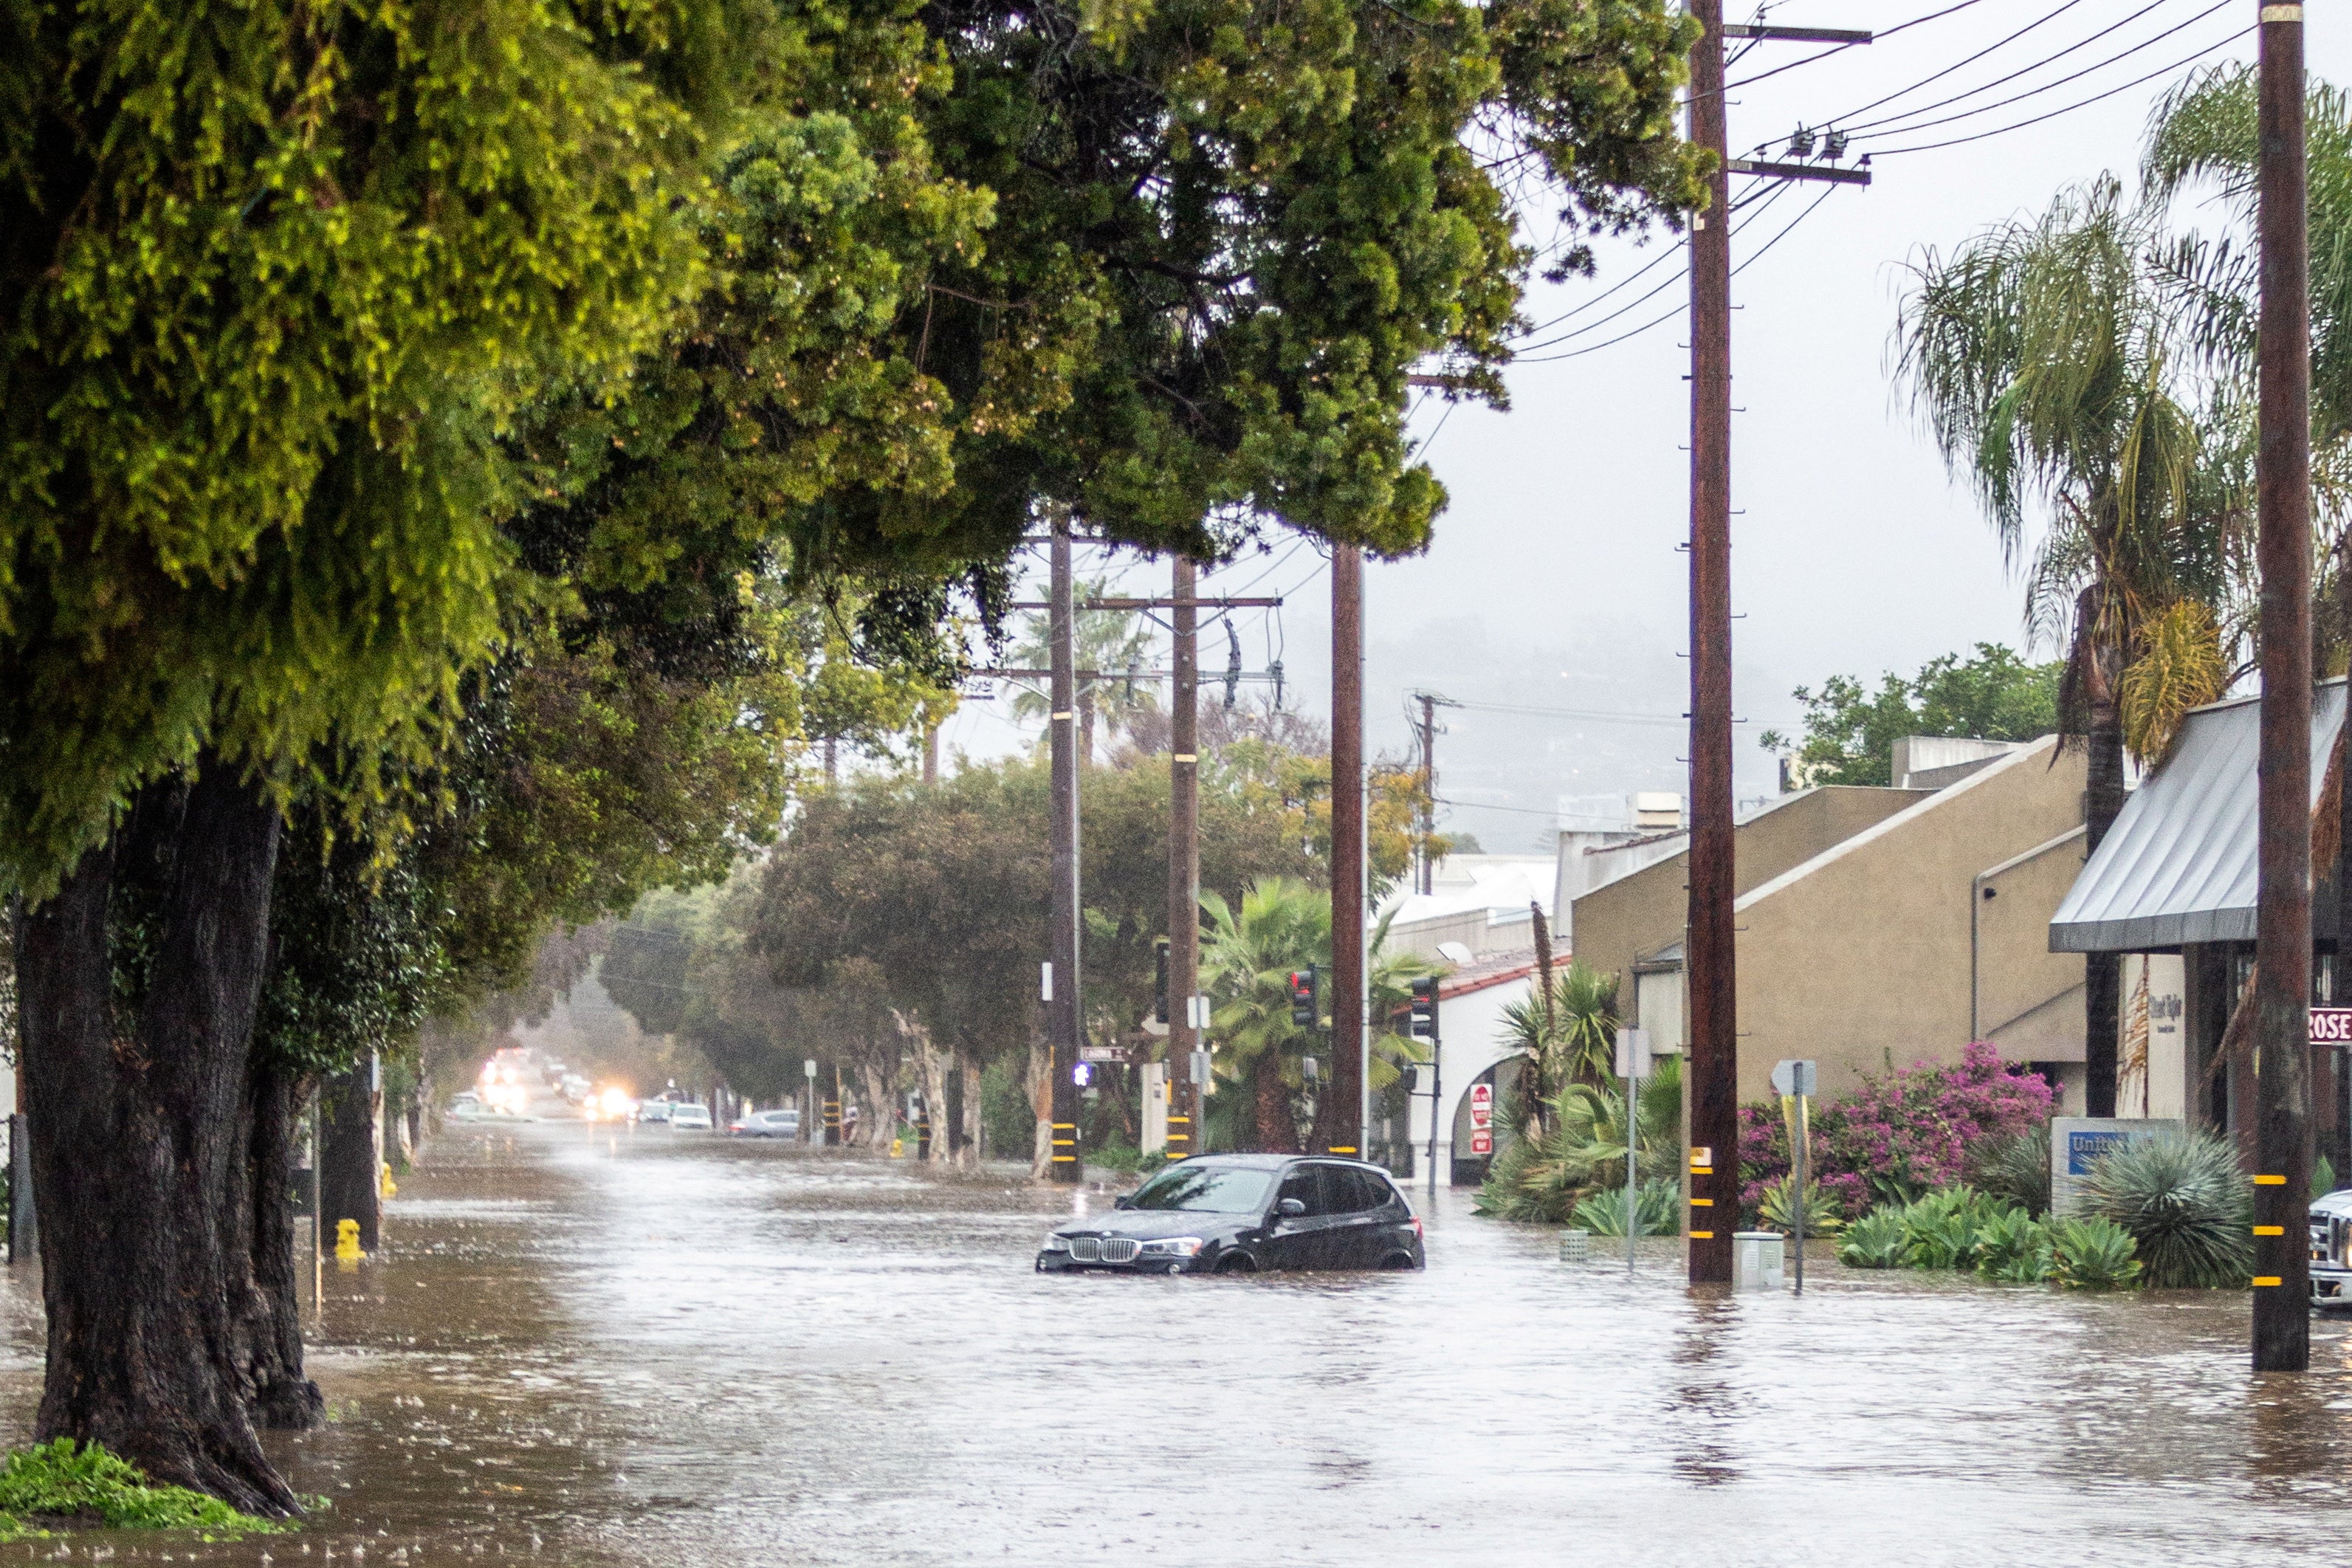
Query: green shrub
1658	1205
2092	1255
2013	1247
2184	1202
2016	1170
2323	1181
92	1485
1943	1226
1877	1240
1119	1157
1779	1211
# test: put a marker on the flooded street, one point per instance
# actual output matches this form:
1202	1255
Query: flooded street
595	1346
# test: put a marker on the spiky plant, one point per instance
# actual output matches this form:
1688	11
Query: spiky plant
1877	1240
2013	1247
2016	1170
1657	1204
2184	1202
2092	1255
1778	1208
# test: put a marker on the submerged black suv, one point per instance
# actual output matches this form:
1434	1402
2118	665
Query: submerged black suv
1224	1213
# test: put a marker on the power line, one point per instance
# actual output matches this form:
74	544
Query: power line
1670	315
1779	189
1837	48
2069	108
1600	714
1957	64
1904	129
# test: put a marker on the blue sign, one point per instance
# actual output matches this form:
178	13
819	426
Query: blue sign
2084	1147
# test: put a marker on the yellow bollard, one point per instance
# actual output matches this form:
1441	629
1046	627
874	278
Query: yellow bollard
347	1241
384	1181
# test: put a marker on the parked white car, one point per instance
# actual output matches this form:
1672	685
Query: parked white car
689	1118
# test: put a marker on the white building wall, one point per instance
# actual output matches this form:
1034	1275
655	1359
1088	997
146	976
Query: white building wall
1471	1039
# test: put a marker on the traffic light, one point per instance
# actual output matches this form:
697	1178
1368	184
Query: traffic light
1424	1008
1305	1004
1159	981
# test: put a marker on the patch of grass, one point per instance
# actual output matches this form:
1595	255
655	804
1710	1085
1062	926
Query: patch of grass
91	1485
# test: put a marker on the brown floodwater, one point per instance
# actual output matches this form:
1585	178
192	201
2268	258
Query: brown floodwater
599	1347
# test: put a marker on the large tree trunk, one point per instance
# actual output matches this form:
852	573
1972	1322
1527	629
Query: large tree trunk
270	1308
975	1124
881	1123
138	1121
2103	972
1277	1128
351	1153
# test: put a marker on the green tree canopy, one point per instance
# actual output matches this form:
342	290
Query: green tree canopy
1850	731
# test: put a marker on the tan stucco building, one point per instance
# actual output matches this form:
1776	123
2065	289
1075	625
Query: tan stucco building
1878	927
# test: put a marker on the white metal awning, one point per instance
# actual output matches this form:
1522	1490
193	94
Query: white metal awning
2178	864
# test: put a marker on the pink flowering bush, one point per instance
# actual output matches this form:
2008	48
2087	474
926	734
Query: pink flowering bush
1897	1136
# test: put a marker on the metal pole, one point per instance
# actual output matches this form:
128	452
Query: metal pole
1345	1092
1804	1147
1065	1014
1437	1096
318	1211
1633	1179
2282	1319
1184	1116
1713	1000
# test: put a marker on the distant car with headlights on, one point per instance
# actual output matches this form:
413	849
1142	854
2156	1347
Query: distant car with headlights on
1246	1214
783	1123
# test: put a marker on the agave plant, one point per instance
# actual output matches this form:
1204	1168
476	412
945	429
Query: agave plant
1657	1204
2013	1247
1877	1240
2092	1255
1778	1210
2185	1204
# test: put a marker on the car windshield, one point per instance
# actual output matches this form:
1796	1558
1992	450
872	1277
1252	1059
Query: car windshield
1205	1189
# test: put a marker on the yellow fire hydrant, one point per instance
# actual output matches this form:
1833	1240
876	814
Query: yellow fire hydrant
347	1241
898	1147
384	1183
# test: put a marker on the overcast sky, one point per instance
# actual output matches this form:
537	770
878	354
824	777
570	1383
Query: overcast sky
1555	579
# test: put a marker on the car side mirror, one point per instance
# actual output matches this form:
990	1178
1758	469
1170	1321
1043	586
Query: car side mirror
1290	1208
1124	1202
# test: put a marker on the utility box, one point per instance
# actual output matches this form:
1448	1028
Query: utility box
1155	1107
1756	1257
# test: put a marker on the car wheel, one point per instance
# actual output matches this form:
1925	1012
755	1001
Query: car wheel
1397	1260
1236	1263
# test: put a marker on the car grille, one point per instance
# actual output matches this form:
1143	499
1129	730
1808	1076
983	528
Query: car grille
2331	1242
1104	1249
1085	1249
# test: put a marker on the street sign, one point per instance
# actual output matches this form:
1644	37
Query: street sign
1482	1142
808	1068
1101	1054
1200	1067
2331	1025
1794	1079
1482	1109
1632	1053
1083	1075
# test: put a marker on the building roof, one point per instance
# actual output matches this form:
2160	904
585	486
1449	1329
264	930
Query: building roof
2179	865
1494	969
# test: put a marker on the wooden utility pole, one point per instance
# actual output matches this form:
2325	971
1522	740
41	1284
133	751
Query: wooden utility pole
1340	1113
2281	1327
1065	1014
1428	790
1707	940
1183	865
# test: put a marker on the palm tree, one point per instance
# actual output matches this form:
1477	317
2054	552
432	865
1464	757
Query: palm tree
1246	959
2043	356
1109	640
1572	1041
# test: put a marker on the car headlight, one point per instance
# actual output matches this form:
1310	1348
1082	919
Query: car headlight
1173	1246
1056	1244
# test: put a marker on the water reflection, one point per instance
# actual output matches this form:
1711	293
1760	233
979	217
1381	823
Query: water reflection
607	1347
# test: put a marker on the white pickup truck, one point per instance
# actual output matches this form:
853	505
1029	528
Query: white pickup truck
2331	1249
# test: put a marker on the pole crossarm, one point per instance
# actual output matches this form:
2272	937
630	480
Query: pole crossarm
1829	172
1798	35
